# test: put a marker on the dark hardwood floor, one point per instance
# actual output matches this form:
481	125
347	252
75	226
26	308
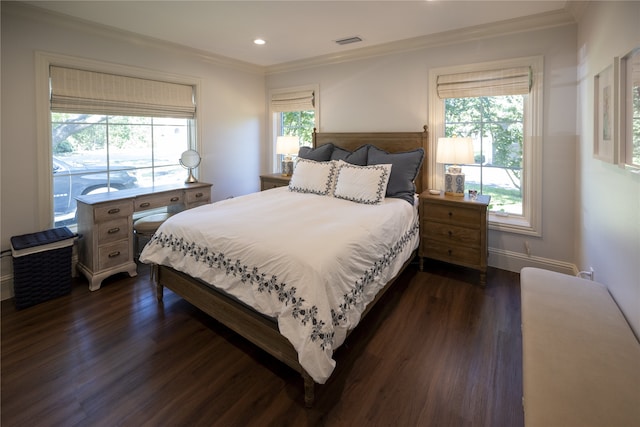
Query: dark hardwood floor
438	350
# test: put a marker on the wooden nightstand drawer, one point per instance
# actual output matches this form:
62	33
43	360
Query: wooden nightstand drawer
113	255
451	233
112	231
455	254
108	212
452	215
275	180
454	230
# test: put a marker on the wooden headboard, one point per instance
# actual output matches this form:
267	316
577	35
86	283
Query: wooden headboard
391	142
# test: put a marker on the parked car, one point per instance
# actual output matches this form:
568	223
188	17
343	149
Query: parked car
71	180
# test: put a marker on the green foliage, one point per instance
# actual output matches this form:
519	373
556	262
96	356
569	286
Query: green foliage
299	123
492	121
496	126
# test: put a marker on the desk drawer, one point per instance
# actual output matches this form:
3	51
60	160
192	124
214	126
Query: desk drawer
153	201
198	195
113	255
108	212
112	231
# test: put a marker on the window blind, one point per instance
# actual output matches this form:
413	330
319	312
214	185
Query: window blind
293	101
509	81
80	91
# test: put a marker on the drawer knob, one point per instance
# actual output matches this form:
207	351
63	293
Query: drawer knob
113	230
113	211
198	195
114	254
450	252
145	205
175	199
450	214
450	233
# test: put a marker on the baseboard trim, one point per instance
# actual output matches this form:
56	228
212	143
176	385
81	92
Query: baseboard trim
6	287
516	261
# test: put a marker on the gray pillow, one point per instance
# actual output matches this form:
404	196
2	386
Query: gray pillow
320	154
404	169
357	157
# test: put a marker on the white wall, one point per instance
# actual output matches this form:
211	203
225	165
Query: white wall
608	226
390	93
231	109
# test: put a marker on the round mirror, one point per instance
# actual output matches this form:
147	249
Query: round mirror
190	159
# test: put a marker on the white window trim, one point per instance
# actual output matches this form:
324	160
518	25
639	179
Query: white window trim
530	222
275	125
43	115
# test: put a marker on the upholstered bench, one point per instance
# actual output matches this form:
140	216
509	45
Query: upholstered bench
581	360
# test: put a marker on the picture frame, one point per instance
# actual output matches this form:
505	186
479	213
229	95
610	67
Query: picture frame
629	110
605	136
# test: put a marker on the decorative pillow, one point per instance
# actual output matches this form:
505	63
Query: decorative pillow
314	177
320	154
357	157
403	174
361	184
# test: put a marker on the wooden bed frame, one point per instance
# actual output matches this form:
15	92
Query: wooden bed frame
255	327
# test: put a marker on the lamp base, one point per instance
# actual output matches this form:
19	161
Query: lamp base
454	184
287	167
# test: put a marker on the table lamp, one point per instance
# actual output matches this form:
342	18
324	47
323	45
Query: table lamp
454	152
287	146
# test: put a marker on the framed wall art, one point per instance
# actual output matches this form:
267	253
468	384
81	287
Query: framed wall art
629	110
605	120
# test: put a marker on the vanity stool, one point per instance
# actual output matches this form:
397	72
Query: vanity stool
145	227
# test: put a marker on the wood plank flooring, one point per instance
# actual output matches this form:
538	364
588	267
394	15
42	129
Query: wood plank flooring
438	350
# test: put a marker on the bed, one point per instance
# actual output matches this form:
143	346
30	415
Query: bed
294	269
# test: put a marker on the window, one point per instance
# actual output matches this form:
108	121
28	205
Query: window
294	113
112	132
498	106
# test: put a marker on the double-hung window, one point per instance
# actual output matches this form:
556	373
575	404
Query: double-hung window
294	114
112	132
498	105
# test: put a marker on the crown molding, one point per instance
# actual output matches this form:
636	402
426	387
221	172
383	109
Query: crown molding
577	8
35	13
512	26
566	16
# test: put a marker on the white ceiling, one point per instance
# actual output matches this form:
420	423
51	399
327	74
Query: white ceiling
293	30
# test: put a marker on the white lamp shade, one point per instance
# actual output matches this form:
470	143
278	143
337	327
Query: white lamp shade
455	151
287	145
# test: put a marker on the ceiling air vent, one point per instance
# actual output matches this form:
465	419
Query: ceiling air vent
349	40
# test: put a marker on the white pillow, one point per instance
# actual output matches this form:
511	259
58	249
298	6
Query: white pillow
362	184
314	177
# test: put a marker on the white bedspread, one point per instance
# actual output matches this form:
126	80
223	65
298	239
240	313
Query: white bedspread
312	262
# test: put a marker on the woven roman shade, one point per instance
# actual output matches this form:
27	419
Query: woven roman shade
508	81
80	91
293	101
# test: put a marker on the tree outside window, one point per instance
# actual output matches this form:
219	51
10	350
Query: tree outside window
95	153
496	126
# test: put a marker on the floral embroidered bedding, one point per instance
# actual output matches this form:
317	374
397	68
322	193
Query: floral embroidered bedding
309	261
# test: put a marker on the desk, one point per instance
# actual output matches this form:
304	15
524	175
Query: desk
105	223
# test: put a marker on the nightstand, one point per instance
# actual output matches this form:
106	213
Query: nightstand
273	180
454	230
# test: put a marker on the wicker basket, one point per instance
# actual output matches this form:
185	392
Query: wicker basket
41	266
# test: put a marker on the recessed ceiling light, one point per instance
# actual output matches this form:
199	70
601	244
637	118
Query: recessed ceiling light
259	41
